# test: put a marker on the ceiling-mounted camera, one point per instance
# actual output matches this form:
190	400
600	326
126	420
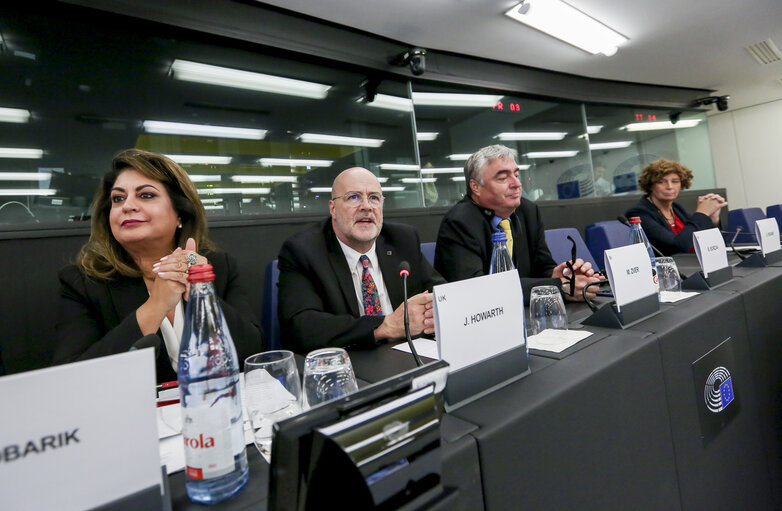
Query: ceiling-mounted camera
414	57
721	101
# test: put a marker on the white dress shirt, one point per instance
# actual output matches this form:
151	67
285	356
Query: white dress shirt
357	272
172	334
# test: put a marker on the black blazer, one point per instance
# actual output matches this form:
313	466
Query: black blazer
317	302
464	245
98	317
659	231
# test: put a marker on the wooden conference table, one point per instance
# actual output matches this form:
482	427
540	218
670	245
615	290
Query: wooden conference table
613	422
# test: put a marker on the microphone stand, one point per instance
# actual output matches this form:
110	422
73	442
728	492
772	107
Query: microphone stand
418	361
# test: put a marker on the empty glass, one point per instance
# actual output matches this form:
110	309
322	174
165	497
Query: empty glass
328	374
668	274
546	309
272	393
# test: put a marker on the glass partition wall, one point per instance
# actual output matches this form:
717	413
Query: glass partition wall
261	132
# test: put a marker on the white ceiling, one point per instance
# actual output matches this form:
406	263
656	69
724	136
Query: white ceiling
687	43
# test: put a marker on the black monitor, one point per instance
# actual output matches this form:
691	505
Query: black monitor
377	448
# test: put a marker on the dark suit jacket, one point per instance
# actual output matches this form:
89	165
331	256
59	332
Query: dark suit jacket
317	302
659	231
98	317
464	245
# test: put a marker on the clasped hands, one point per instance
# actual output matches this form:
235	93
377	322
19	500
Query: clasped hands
420	313
585	274
710	205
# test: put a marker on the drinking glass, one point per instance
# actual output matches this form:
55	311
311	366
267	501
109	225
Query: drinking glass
328	374
668	274
272	393
546	309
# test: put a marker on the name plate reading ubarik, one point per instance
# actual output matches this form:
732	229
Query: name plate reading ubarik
630	273
81	435
478	318
767	232
710	248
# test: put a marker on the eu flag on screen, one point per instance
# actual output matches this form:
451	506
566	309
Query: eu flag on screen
726	390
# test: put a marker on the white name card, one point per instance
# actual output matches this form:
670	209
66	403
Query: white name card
80	435
767	233
630	273
710	248
478	318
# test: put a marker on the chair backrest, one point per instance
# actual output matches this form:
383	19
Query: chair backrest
600	236
427	249
775	211
746	218
560	247
269	321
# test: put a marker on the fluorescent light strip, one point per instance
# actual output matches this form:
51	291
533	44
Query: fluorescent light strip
228	191
392	103
211	201
382	179
443	170
392	188
459	178
199	159
593	130
204	178
317	138
264	179
560	20
285	162
14	115
555	135
426	136
418	179
661	125
524	167
25	176
551	154
213	206
320	189
610	145
5	192
18	152
458	100
459	157
202	130
228	77
399	166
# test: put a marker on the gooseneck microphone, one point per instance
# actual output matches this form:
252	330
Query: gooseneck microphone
739	228
404	272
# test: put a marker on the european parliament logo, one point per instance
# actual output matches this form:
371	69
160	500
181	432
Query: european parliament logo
718	392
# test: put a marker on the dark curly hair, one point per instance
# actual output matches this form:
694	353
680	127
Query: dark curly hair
658	169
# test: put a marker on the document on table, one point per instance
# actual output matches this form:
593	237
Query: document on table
676	296
555	340
425	347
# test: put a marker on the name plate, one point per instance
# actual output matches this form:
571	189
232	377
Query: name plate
478	318
81	435
630	273
710	248
767	233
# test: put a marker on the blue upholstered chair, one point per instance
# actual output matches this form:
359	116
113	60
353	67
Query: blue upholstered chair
601	236
269	321
746	218
775	211
427	249
561	247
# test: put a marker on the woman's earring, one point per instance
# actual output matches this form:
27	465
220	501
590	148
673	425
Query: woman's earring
180	225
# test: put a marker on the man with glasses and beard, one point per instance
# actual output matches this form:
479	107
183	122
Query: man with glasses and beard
494	204
339	281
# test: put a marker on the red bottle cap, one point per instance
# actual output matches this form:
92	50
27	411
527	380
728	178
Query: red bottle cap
635	219
200	273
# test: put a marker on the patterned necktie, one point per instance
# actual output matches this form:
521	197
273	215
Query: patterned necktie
505	226
369	292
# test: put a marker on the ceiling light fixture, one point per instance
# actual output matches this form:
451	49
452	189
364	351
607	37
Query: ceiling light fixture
458	178
13	192
202	130
593	130
459	157
392	188
14	115
443	170
418	179
264	179
540	135
204	178
228	77
228	191
317	138
426	136
25	176
568	24
18	152
399	166
320	189
610	145
661	125
391	103
292	162
551	154
458	100
199	159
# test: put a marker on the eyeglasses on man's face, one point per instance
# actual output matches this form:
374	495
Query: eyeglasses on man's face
356	199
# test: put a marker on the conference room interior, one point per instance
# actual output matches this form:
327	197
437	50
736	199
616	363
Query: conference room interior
86	79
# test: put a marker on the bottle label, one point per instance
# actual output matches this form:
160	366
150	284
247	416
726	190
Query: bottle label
209	440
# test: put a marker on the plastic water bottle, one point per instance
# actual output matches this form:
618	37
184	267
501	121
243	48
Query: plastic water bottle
208	374
500	257
637	235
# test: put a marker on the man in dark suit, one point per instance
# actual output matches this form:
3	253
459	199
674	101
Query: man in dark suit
494	204
339	281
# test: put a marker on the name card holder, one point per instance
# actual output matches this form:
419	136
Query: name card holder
767	234
607	316
709	246
757	260
697	282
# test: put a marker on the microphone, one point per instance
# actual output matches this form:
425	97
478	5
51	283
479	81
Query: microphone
148	341
404	272
739	228
625	221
